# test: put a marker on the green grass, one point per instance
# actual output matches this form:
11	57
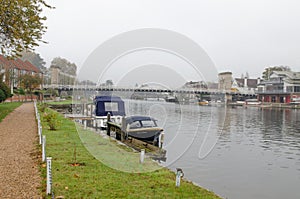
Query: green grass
60	102
6	108
96	178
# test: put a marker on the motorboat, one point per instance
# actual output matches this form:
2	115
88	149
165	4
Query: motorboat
144	128
105	105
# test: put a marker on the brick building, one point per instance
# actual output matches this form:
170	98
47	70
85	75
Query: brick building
13	69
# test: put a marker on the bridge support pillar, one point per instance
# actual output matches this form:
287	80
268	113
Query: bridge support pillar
228	98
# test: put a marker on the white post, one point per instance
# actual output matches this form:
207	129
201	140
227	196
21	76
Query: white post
49	175
179	174
40	134
142	157
44	149
84	123
161	140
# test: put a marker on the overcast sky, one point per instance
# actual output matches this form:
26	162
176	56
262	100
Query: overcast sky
238	35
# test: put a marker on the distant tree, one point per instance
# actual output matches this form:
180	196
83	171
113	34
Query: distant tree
65	65
5	91
2	96
21	26
33	58
268	71
30	82
109	82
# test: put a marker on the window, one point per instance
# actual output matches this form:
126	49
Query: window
148	123
135	125
111	106
289	89
297	89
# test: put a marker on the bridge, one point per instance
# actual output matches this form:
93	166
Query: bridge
148	90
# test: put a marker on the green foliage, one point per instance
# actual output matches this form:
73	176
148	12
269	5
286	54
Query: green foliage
52	120
21	91
30	82
21	26
42	107
53	92
5	90
268	71
2	96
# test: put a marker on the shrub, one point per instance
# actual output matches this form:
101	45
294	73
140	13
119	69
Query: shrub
5	90
52	120
43	107
21	91
2	96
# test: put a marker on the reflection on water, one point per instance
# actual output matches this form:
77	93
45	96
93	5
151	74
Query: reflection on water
236	152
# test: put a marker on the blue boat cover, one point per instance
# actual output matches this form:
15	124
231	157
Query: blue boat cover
109	104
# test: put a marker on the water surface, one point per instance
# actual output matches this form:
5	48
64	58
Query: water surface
245	152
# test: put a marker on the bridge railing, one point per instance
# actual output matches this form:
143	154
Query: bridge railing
158	90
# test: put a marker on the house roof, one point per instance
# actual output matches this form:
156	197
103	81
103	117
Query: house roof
289	74
19	64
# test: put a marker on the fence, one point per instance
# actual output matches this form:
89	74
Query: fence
42	142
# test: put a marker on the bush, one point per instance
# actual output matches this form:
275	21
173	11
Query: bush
43	107
21	91
5	90
52	120
2	96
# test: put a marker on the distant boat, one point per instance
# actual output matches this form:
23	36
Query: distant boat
252	102
113	105
171	99
203	103
237	103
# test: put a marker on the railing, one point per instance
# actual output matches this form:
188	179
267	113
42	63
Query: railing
273	92
154	90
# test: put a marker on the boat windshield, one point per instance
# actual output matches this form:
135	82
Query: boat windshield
148	123
142	124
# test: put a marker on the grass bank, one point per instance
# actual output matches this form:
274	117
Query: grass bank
6	108
63	102
94	179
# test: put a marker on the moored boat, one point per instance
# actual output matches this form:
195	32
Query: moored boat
144	128
105	105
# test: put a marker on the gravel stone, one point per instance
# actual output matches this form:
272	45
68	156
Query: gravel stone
19	156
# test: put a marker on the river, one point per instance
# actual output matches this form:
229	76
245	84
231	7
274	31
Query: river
235	152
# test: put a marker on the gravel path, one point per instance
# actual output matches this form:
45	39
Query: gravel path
19	158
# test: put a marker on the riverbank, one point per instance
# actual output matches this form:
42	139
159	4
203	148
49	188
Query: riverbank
78	174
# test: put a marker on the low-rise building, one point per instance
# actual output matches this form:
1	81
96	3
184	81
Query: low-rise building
13	69
282	87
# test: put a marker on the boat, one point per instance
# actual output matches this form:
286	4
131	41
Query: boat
203	103
144	128
237	103
105	105
252	102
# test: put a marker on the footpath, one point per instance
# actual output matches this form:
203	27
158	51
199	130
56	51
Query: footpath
19	157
